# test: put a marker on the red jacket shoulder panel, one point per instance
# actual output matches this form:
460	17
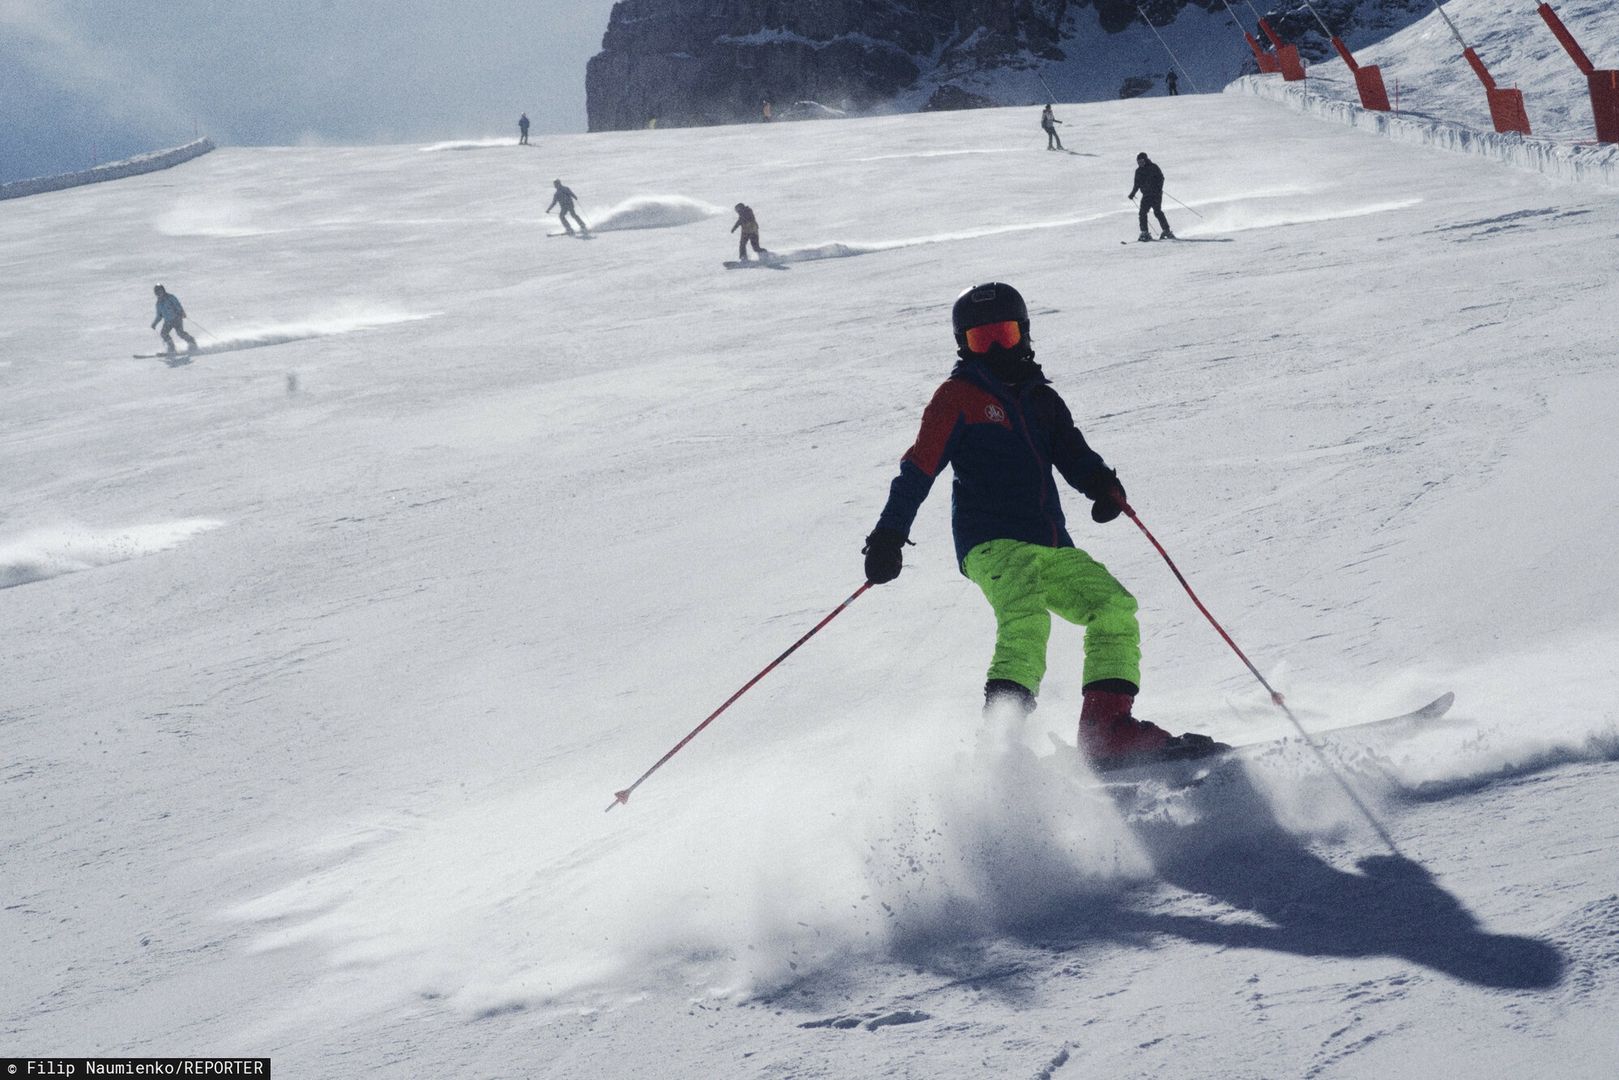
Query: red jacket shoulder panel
956	402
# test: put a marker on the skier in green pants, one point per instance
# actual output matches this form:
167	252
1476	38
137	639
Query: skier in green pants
1002	428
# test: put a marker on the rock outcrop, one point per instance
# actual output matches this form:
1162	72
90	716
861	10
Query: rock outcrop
693	62
688	62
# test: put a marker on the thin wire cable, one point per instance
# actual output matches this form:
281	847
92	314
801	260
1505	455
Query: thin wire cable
1173	58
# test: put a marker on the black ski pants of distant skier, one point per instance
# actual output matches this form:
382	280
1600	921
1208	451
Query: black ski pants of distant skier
1053	142
563	215
1155	203
176	326
742	246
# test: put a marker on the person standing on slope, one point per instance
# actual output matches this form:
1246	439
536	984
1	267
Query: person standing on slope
1172	81
1002	428
522	130
172	314
750	232
1049	124
1150	182
565	198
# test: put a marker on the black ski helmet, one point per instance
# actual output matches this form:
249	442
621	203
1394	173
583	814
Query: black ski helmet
991	302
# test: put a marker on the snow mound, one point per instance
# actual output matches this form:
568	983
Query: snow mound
47	553
654	212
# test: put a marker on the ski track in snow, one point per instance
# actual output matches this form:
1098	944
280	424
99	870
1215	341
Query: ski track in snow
42	554
471	144
261	334
1227	219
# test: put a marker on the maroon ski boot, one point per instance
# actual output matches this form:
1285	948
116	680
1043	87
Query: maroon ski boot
1111	738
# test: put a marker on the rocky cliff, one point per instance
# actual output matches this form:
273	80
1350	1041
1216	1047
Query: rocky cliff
686	62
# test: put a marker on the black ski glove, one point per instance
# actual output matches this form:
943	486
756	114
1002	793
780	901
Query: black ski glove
1110	500
883	555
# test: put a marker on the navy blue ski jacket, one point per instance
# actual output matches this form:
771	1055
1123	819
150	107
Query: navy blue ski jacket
1149	181
1002	441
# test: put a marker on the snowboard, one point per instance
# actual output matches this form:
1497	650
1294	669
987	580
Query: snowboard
1184	772
1180	240
572	235
761	263
175	359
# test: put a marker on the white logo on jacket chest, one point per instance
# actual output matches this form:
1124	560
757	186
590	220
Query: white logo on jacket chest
995	414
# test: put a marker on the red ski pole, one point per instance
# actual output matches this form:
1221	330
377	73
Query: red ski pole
624	796
1276	697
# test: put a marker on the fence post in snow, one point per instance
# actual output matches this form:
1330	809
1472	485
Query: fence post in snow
1506	106
1287	56
1368	80
1267	63
1604	84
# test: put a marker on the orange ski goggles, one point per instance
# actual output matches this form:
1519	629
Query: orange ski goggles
1005	334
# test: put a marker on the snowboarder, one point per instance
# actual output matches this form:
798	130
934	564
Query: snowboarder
750	232
565	198
1049	123
1002	427
172	314
522	130
1172	81
1150	182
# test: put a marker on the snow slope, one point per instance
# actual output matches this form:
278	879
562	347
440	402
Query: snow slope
323	658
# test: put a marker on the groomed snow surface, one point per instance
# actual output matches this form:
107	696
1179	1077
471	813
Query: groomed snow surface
323	657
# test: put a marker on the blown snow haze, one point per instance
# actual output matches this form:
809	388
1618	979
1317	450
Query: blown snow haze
499	520
87	83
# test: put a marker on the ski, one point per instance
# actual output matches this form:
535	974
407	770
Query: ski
1188	770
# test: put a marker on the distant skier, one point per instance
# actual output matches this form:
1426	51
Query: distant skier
999	424
172	314
1049	123
565	198
750	232
1172	81
766	112
522	130
1150	182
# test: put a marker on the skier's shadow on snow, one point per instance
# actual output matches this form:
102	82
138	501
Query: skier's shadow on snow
1239	855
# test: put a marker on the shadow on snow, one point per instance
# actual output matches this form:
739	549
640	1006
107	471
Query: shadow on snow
1237	854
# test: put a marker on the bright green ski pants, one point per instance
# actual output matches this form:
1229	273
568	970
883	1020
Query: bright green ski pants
1025	583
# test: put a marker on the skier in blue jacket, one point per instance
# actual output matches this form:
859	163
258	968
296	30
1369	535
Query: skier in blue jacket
1002	428
172	315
